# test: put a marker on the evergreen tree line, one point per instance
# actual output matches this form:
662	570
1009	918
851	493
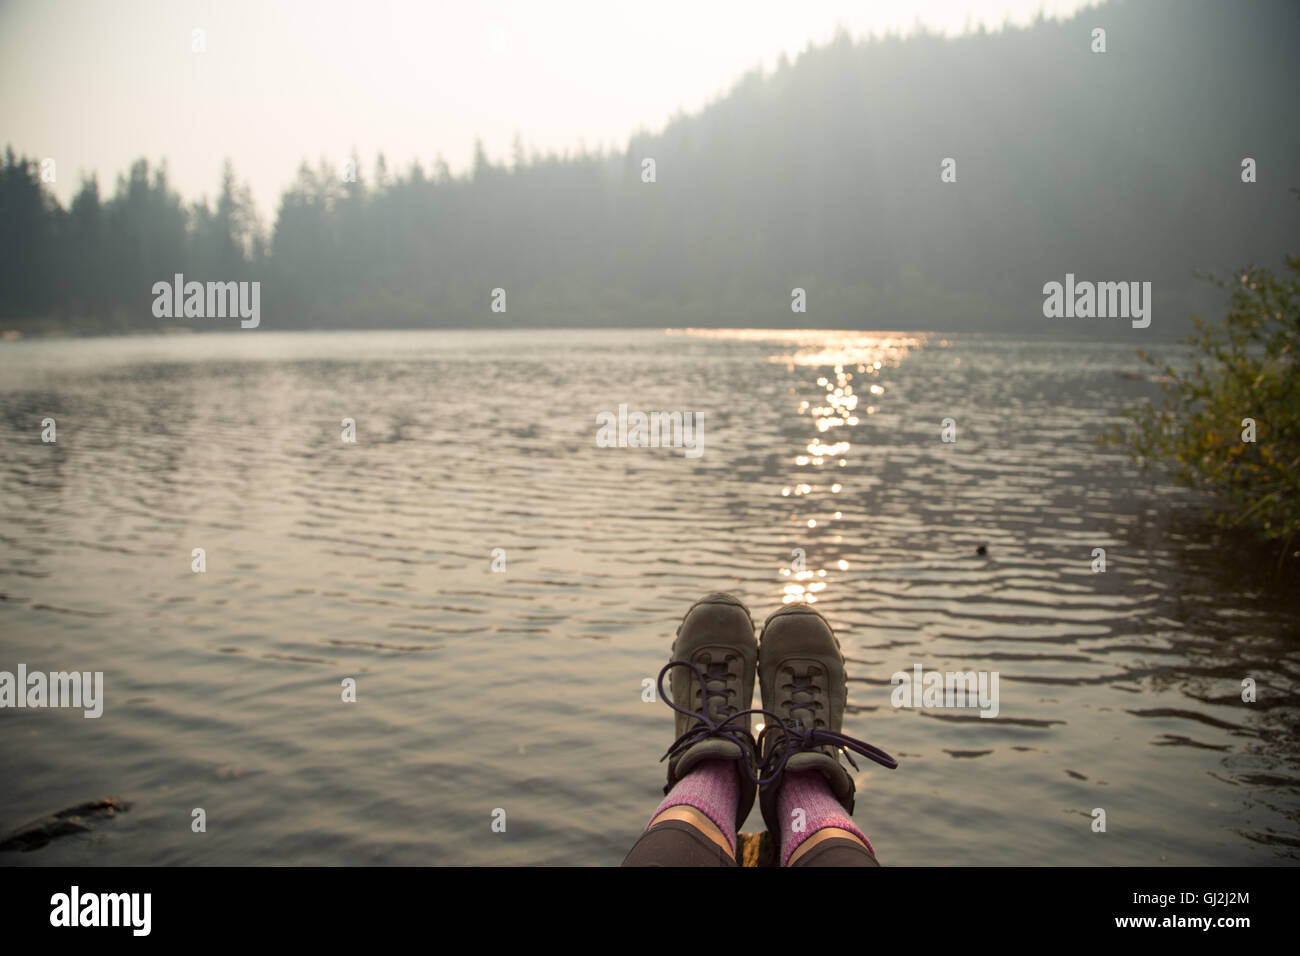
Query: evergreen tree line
822	174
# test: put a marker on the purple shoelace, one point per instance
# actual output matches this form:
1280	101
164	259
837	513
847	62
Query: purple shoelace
795	736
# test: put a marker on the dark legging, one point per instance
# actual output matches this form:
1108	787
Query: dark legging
677	843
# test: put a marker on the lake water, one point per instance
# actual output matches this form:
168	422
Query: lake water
522	689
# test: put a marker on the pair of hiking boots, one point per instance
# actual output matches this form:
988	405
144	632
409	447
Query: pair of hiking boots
800	671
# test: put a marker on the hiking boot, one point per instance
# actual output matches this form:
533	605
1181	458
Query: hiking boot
712	681
801	674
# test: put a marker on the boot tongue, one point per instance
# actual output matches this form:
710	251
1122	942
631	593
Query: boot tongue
714	674
802	694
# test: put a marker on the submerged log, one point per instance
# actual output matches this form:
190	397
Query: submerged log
76	819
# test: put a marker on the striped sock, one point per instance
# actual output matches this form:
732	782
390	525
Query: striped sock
810	793
713	788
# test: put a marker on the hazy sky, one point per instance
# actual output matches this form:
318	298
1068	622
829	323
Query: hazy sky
96	84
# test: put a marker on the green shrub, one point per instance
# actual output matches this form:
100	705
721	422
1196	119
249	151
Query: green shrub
1244	368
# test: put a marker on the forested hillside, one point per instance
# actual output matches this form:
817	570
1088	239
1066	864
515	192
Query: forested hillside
822	174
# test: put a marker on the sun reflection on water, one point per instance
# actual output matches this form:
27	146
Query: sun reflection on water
843	365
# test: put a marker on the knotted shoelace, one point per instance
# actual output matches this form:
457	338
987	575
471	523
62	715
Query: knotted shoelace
795	736
799	737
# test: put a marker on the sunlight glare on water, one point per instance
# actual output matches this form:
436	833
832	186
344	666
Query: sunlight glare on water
521	688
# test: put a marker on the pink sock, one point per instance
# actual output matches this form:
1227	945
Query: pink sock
811	794
712	788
